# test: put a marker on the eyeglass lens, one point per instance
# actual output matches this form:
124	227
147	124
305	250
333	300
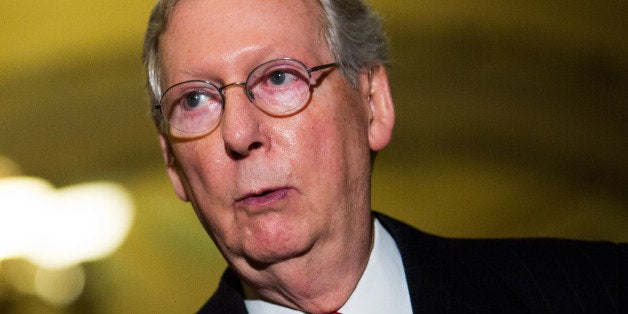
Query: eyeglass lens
278	87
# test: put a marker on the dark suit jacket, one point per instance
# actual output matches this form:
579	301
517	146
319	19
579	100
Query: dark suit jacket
492	276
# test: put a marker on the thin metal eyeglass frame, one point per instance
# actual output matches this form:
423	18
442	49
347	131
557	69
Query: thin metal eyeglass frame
248	93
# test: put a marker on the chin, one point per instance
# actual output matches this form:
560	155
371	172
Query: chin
273	243
260	259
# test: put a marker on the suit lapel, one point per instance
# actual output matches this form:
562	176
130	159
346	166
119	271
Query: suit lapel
228	298
449	275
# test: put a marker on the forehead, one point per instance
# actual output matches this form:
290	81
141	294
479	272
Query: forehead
209	33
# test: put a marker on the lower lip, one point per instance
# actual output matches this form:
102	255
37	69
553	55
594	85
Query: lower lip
266	199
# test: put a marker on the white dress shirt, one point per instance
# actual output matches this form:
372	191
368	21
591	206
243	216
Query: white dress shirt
381	289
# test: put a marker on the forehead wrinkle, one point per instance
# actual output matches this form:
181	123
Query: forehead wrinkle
235	66
231	62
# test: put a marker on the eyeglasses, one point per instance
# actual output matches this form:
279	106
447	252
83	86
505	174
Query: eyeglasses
278	88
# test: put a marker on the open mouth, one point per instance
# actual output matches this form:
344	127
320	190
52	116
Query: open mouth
264	198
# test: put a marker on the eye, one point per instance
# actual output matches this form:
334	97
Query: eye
279	78
196	99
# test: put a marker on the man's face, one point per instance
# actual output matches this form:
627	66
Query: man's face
269	189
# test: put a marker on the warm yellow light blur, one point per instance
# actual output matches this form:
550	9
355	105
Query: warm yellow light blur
58	229
61	228
60	286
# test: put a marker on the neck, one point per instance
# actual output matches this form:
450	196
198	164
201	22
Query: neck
320	281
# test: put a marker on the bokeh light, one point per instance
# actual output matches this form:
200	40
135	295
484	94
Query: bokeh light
60	287
56	230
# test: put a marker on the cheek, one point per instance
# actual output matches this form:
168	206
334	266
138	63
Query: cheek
317	137
334	142
344	128
201	167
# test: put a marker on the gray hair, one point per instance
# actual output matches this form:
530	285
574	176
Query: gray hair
353	32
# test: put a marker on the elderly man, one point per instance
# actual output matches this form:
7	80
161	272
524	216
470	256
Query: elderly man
270	114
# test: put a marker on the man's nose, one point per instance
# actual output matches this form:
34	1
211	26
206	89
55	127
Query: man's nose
241	123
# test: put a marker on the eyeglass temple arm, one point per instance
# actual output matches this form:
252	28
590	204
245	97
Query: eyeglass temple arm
320	67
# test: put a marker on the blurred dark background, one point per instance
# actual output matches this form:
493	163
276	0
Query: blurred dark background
511	122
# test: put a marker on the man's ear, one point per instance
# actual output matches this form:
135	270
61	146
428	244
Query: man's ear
172	168
382	118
